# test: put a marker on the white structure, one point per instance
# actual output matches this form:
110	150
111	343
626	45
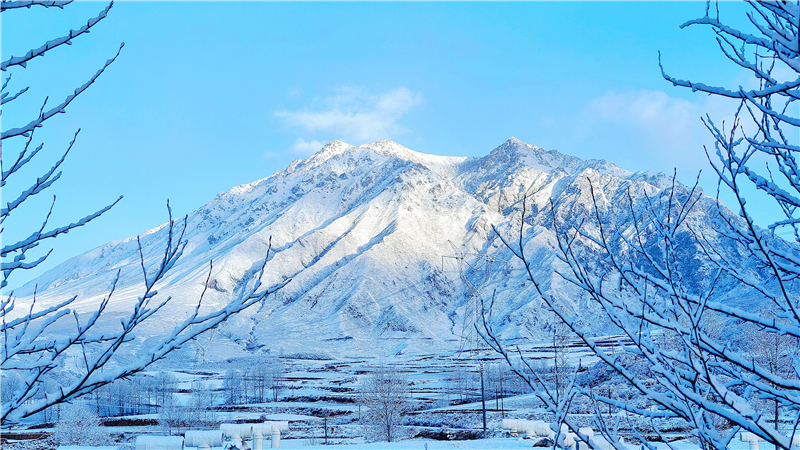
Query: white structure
269	428
571	441
237	432
240	430
258	440
282	425
511	424
542	428
750	438
276	438
159	443
266	428
753	440
195	438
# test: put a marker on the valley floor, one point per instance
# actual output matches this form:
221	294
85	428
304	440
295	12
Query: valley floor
445	393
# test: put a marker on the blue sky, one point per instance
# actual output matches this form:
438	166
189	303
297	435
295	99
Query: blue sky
209	95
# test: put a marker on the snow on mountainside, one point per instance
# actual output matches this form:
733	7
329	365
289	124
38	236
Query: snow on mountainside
365	233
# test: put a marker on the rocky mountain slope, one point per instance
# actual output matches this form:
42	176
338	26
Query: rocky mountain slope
375	238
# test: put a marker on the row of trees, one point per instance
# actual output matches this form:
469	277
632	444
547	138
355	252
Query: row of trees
463	383
693	358
141	394
150	393
385	395
177	408
259	383
197	412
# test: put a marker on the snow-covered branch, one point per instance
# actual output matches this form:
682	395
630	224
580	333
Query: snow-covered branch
60	108
31	347
701	378
28	336
28	3
49	45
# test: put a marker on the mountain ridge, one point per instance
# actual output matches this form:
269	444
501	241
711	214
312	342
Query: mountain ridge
365	233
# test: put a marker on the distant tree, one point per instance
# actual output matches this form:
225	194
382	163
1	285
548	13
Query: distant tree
457	383
260	382
201	403
640	277
233	384
561	369
118	397
10	382
147	384
173	416
385	399
164	385
265	376
27	347
774	352
79	425
276	371
247	384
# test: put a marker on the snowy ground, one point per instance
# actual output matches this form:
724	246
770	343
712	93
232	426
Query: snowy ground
482	444
329	388
420	444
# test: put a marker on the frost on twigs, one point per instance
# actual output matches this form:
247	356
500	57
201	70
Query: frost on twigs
79	425
15	254
28	347
49	45
385	399
28	3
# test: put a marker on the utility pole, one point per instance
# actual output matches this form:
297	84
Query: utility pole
483	403
502	396
556	371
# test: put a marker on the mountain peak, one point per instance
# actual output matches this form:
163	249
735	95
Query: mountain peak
515	144
516	151
334	148
385	148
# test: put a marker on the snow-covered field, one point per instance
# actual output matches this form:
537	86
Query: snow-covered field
444	391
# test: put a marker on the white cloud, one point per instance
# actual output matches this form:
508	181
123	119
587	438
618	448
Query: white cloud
304	148
269	155
654	112
295	92
354	114
662	128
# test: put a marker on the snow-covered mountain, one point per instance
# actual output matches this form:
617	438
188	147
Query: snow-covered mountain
374	238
